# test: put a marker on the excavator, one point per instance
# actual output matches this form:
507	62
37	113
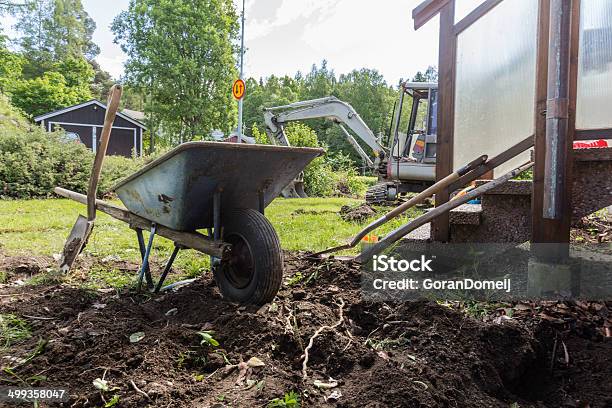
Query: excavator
404	160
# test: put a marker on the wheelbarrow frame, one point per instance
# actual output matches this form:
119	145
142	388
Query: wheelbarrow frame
214	247
228	190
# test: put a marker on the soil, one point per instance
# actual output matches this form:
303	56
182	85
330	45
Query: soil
593	229
413	354
358	213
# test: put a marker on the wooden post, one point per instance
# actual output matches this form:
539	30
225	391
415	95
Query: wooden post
446	114
551	217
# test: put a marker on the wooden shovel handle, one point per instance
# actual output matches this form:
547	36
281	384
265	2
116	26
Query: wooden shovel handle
114	97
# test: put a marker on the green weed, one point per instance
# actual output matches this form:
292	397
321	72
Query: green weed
13	329
289	400
112	402
208	339
45	278
295	279
388	343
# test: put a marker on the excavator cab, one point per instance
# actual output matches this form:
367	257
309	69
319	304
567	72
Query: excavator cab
411	164
413	134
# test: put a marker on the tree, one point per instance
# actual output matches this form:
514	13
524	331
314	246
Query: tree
47	93
430	75
102	82
368	93
77	71
319	82
274	91
10	6
66	83
182	53
365	89
71	31
11	66
51	31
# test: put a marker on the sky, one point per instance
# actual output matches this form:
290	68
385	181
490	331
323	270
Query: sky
284	36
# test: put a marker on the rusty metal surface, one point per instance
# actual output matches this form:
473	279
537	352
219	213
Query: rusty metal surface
176	190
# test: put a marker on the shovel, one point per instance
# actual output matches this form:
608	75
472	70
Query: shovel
438	186
77	239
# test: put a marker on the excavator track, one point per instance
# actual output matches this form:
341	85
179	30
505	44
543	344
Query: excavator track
377	194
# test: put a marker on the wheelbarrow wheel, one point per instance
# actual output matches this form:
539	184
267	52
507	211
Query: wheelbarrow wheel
253	272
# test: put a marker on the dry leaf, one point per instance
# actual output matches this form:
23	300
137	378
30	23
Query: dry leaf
255	362
136	337
326	386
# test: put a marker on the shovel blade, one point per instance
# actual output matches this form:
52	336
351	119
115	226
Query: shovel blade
75	242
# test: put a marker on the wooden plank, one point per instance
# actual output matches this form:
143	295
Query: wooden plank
593	134
492	163
426	11
540	226
571	125
475	14
193	240
446	115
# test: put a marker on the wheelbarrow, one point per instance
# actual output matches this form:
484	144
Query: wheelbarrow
210	197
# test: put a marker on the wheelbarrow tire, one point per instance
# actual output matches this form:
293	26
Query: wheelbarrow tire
253	273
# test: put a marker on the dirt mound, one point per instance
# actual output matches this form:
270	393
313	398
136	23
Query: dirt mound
358	213
371	355
17	269
593	229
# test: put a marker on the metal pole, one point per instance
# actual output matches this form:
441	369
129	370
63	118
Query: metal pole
241	76
557	110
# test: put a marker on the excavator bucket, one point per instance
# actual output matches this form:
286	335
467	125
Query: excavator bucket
295	189
289	191
299	189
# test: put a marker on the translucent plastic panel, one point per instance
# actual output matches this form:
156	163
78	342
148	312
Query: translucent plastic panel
465	7
595	65
495	83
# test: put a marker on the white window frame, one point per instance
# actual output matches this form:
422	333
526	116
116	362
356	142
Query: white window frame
94	132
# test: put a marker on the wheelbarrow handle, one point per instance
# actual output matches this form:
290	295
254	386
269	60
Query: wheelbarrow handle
114	97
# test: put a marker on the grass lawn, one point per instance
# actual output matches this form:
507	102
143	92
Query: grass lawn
39	227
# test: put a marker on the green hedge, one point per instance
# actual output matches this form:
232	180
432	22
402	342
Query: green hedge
33	162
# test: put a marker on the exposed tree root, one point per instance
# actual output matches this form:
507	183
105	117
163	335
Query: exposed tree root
317	334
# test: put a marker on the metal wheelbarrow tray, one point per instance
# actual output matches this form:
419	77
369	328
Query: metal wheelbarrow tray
177	189
221	187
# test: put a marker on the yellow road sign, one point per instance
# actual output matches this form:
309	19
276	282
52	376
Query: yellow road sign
238	89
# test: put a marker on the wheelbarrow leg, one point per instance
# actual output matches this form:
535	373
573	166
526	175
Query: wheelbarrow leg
143	250
261	201
216	233
162	278
145	260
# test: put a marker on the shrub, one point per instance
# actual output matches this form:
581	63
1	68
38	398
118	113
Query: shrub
330	175
33	162
319	178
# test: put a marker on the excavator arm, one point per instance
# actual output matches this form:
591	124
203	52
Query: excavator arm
330	108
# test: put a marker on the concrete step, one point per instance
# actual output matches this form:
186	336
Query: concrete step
466	214
505	215
512	187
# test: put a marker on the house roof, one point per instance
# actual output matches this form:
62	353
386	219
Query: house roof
82	105
134	114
